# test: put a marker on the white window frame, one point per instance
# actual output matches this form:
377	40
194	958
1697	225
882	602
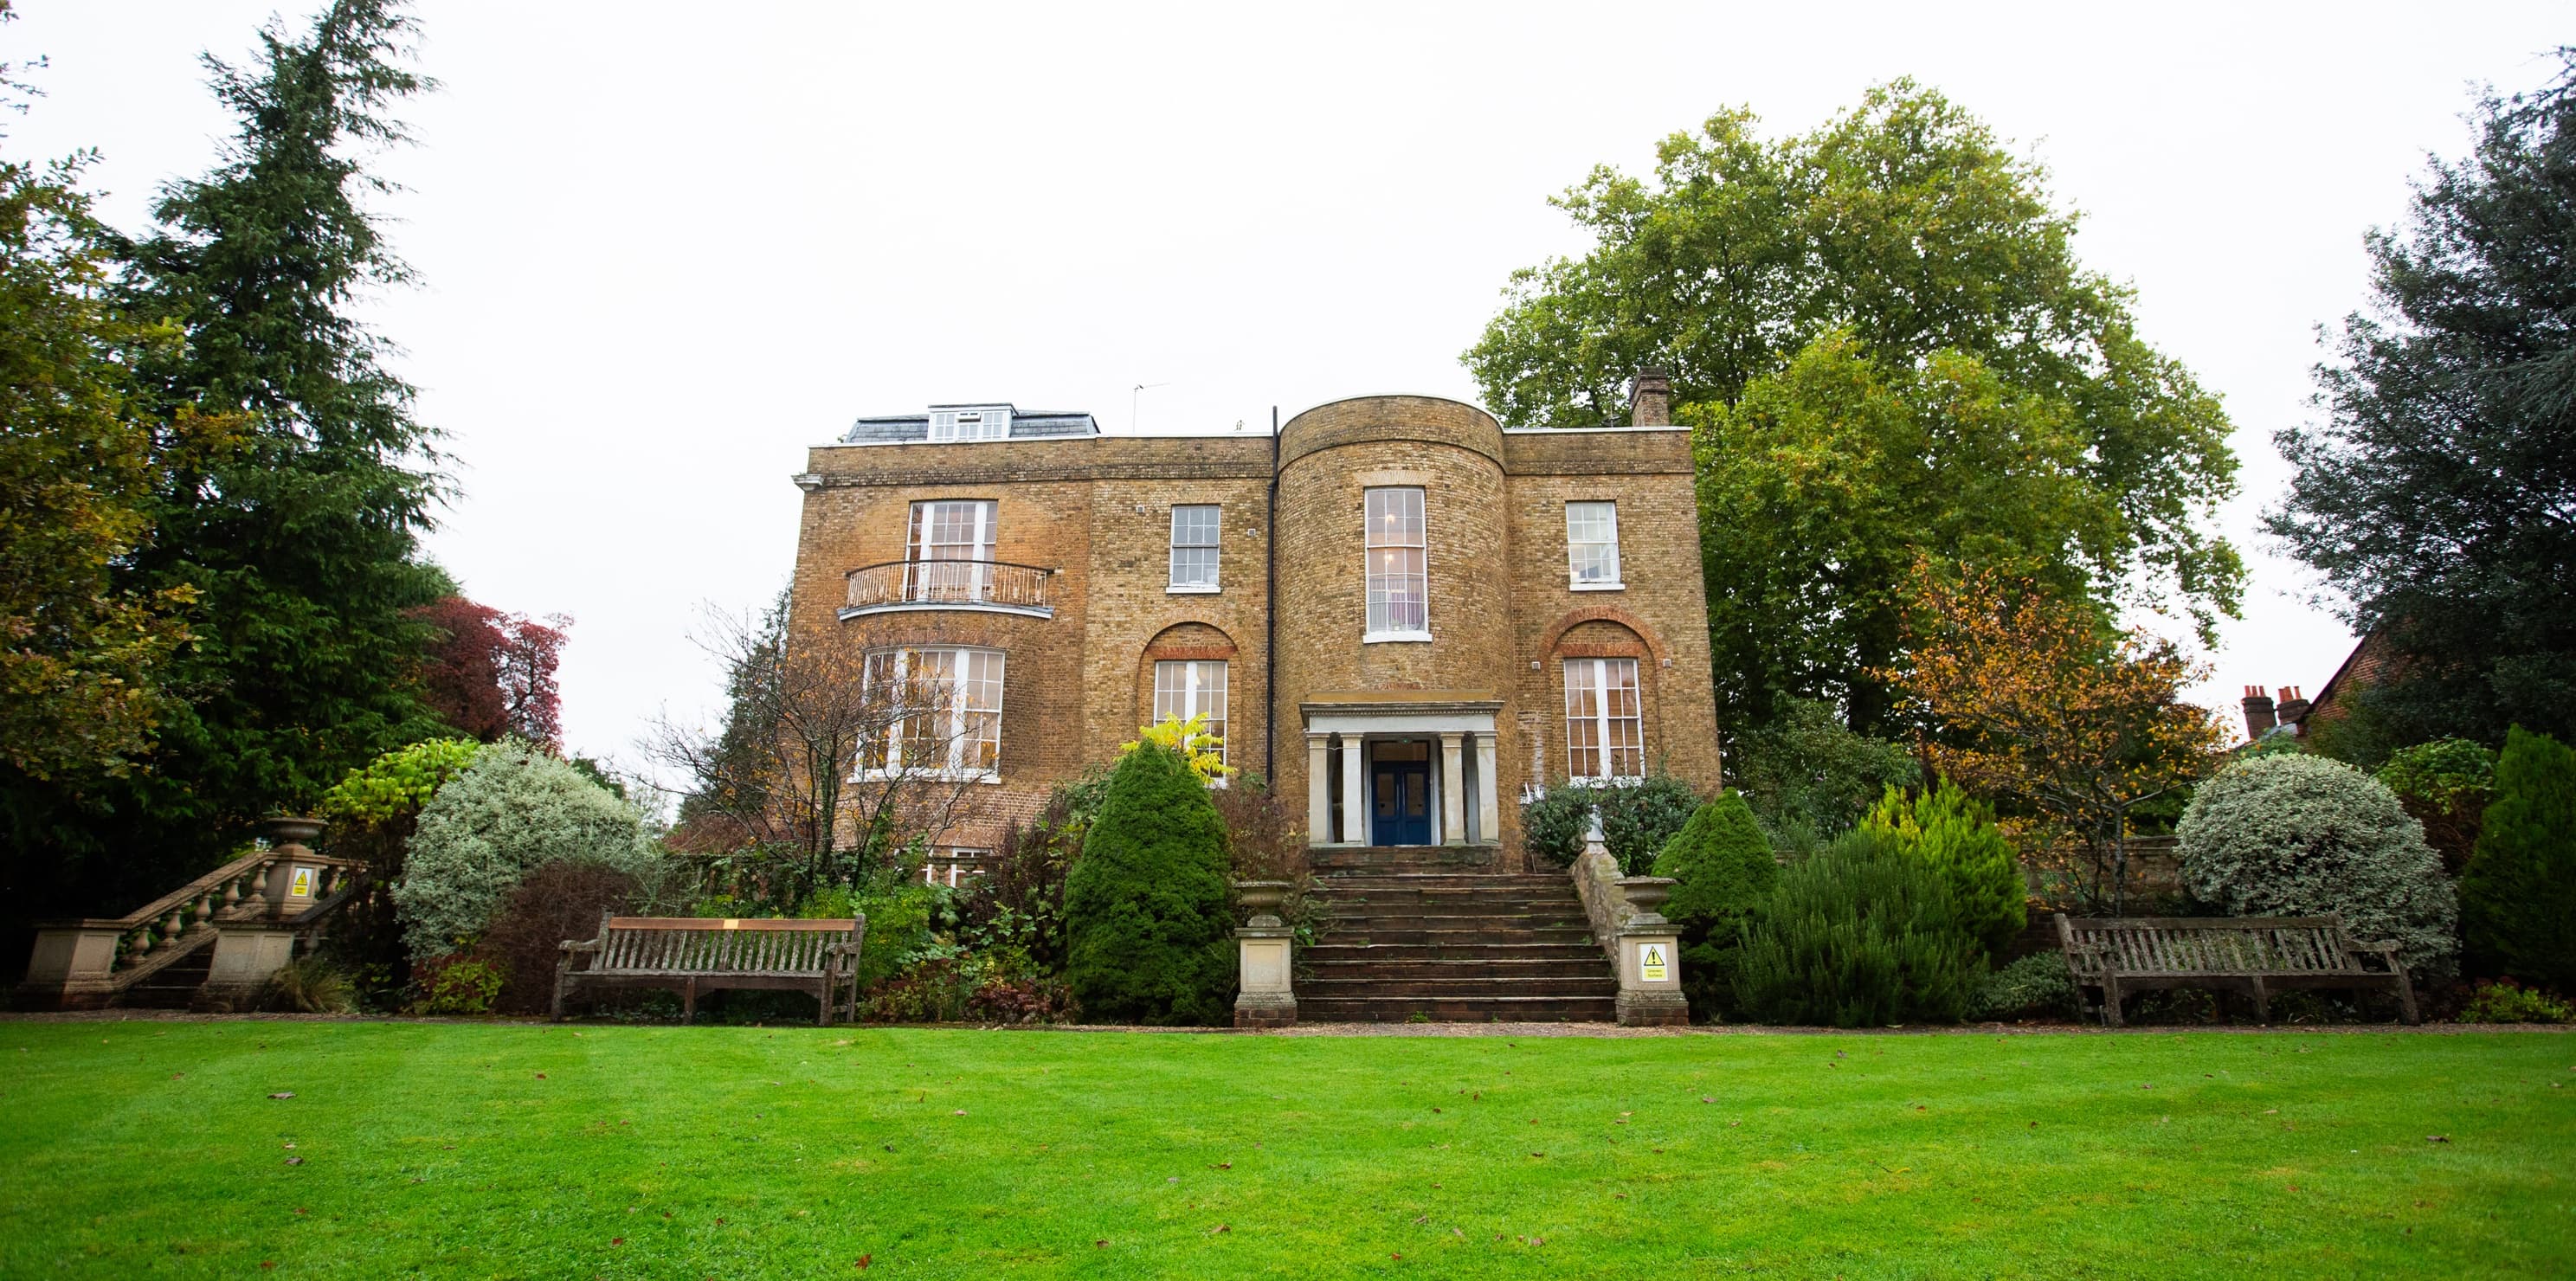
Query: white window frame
956	859
1214	528
969	423
1605	750
1186	680
950	577
1576	548
963	752
1392	515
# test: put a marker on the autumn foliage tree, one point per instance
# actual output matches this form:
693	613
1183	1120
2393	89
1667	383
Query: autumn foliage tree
491	673
2031	698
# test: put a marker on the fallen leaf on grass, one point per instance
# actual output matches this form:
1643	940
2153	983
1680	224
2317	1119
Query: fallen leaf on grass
2437	1138
283	1094
1222	1227
541	1076
611	1240
1222	1165
1102	1242
864	1259
1539	1154
295	1160
958	1112
1705	1099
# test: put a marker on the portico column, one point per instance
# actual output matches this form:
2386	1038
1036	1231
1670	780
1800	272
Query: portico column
1354	793
1488	812
1453	792
1319	789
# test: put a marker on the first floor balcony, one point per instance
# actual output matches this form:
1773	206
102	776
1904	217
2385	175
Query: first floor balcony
990	586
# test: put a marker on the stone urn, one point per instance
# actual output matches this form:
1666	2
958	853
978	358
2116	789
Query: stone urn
1647	895
1262	899
292	832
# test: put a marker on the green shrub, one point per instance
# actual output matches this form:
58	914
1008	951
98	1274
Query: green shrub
2301	835
515	809
2035	984
2518	894
1808	777
2445	785
1149	936
309	985
1957	836
1722	871
459	985
1861	935
2504	1001
397	784
1637	819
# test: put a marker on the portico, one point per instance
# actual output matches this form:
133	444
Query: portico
1401	768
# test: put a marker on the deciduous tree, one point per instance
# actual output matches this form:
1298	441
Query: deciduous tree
2031	698
1884	338
490	673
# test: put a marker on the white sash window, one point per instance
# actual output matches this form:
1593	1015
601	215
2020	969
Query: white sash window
1399	581
950	530
1604	721
1183	689
1592	545
1194	548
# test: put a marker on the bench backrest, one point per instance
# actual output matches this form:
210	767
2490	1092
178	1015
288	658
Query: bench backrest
2208	945
711	945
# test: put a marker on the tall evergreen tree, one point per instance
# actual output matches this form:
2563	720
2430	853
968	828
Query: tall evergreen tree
2438	500
2518	893
302	543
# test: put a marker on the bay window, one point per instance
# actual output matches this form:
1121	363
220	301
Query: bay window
934	711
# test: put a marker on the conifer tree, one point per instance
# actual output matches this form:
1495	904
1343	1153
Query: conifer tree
1149	938
2518	893
1723	870
1956	836
301	543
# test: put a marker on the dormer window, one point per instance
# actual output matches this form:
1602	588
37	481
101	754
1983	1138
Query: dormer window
971	422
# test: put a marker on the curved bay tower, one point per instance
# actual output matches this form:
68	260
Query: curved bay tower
1405	616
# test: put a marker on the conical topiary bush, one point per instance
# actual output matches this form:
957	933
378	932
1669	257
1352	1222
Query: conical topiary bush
1149	938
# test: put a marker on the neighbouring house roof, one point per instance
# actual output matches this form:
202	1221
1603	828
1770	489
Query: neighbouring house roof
2368	664
1026	424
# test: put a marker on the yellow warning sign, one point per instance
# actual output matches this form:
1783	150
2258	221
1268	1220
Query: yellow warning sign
1651	963
302	885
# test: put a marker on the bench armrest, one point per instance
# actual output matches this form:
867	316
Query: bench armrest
569	946
2380	948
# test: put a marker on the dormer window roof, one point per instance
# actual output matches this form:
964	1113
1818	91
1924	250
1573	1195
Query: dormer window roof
970	422
967	422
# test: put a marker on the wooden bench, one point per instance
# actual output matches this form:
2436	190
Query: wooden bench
2254	954
690	955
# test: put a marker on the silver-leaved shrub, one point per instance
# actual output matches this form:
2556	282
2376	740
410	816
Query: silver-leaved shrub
515	809
2300	835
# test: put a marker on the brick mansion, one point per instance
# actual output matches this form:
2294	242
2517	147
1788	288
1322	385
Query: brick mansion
1399	612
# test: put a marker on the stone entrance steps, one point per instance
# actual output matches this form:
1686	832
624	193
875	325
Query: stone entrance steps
173	988
1448	945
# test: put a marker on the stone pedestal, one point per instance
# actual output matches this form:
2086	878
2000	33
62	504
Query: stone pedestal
1650	959
1265	1000
246	954
72	967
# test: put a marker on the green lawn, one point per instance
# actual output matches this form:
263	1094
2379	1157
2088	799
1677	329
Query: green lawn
153	1148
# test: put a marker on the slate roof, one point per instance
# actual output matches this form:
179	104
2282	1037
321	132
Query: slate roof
1026	424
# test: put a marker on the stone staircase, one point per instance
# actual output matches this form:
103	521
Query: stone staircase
1406	936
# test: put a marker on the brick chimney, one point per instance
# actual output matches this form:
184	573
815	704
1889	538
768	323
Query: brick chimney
1650	399
2258	713
2292	706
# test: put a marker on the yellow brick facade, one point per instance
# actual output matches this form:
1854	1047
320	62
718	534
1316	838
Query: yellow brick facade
1503	616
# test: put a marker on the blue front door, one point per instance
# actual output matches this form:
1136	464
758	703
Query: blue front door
1400	794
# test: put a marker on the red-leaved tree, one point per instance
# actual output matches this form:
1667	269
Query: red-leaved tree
493	673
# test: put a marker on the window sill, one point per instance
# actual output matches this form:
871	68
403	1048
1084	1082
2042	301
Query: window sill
1179	590
928	776
1384	638
1596	587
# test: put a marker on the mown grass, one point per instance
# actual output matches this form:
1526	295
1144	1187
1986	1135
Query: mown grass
153	1148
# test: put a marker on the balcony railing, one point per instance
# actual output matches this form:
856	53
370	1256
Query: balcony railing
993	585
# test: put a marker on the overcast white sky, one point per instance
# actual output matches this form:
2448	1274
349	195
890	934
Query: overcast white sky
665	247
